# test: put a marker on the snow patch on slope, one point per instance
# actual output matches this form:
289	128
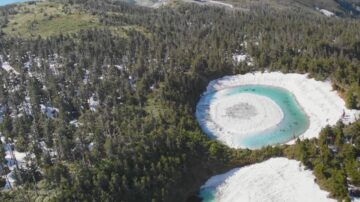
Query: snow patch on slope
221	3
239	58
7	67
277	179
326	12
48	110
93	103
14	159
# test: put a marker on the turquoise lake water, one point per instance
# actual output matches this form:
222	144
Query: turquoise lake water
5	2
294	123
208	194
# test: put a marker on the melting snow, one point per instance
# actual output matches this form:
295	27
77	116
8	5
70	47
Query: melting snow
238	58
50	151
119	67
326	12
13	159
86	77
277	179
6	66
93	103
320	102
75	123
91	146
48	110
221	3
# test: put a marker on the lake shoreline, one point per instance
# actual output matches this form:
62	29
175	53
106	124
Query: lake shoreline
321	103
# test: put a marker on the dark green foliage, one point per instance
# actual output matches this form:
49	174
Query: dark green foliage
142	143
334	158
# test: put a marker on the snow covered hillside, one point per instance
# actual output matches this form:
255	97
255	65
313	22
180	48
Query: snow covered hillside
277	179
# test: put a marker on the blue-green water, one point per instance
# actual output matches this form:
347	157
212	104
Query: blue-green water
294	123
208	194
5	2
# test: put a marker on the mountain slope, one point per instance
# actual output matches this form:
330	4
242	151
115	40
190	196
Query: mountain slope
338	7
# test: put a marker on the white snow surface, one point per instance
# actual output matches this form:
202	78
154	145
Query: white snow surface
119	67
322	105
327	13
75	123
14	158
227	113
6	66
356	199
93	103
277	179
50	151
48	110
221	3
238	58
160	3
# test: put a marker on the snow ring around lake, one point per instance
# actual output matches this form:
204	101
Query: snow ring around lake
244	113
321	104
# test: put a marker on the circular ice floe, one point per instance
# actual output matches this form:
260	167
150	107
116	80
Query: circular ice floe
277	179
245	113
251	116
